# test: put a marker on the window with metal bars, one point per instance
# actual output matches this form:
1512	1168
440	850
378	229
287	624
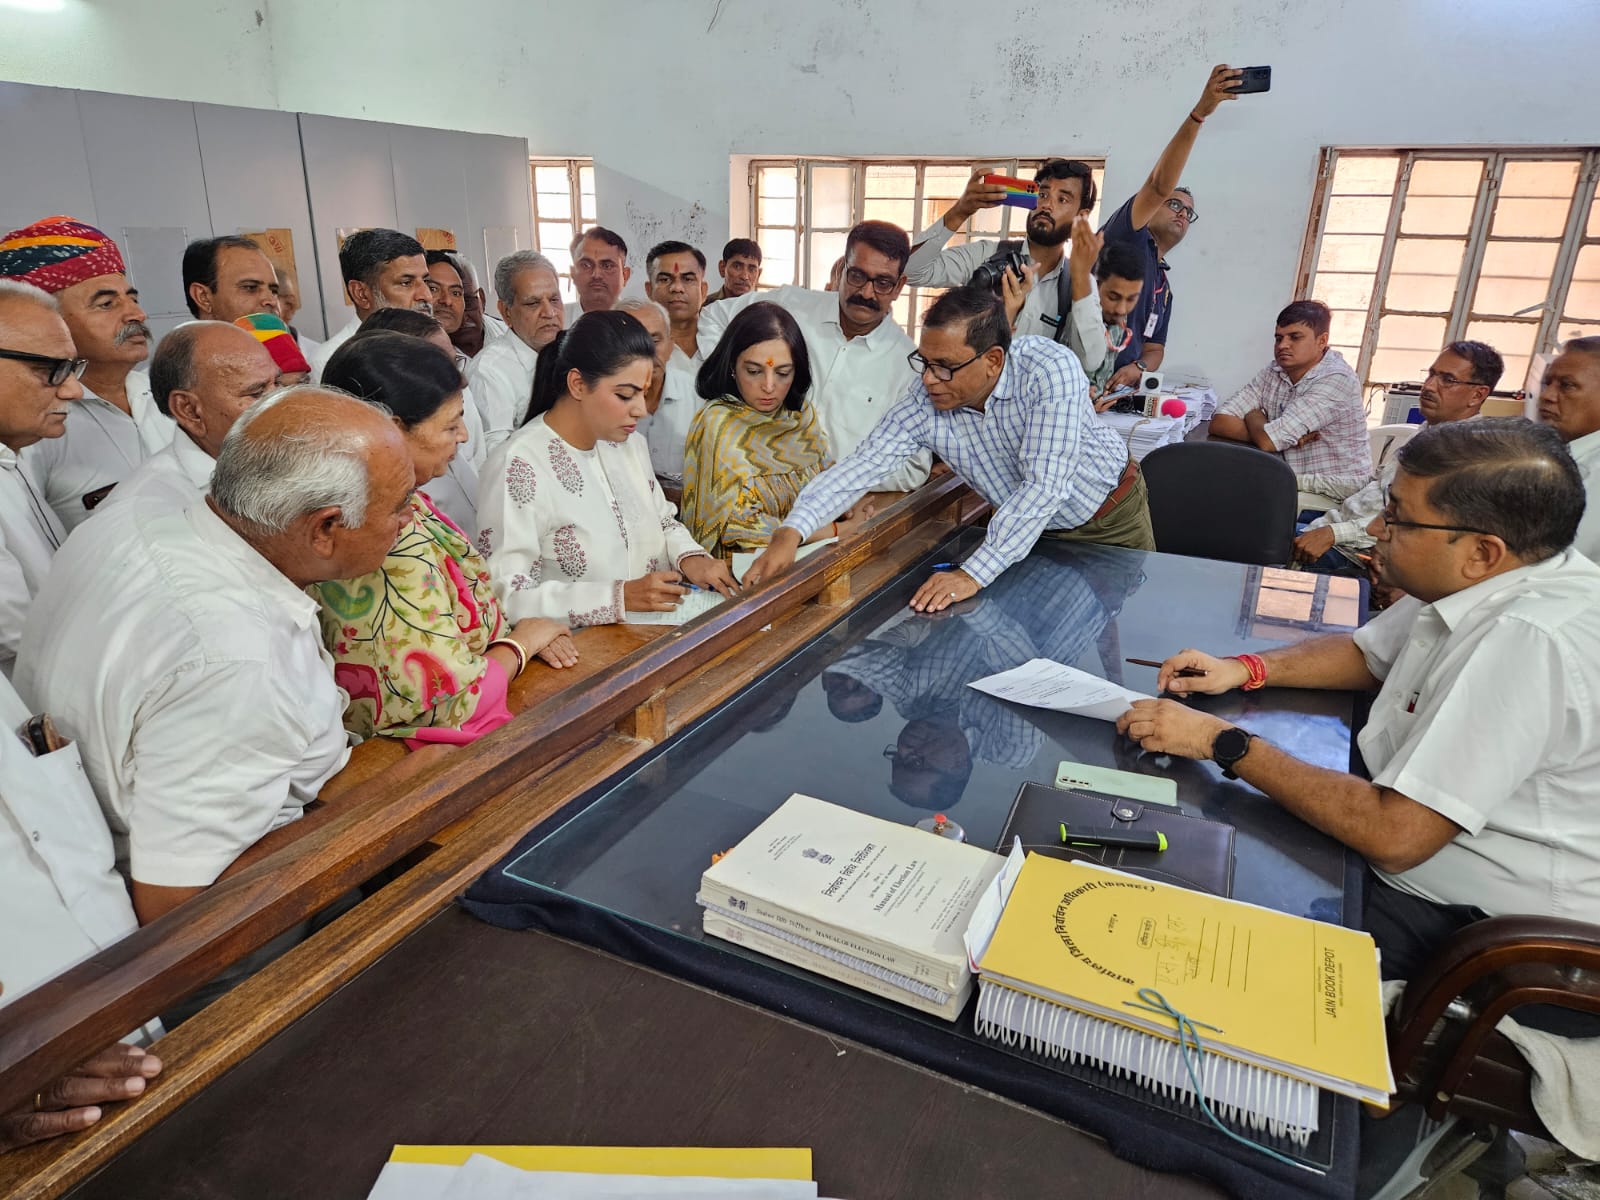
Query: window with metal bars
1415	248
802	209
563	203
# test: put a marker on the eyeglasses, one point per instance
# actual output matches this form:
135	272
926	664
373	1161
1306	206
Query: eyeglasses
882	284
1388	518
908	759
1445	379
57	370
941	372
1178	206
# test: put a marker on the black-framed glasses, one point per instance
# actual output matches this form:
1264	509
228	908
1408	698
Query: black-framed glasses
1388	518
57	370
882	284
1178	206
941	372
1445	379
909	759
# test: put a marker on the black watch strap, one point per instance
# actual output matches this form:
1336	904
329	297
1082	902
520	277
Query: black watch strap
1228	747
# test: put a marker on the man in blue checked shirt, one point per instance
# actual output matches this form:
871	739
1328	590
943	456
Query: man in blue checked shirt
1013	419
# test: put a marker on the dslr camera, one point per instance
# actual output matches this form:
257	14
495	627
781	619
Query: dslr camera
991	271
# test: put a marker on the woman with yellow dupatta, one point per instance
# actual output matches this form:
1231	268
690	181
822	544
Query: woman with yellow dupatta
757	441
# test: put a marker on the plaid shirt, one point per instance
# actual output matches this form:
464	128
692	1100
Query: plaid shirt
1037	453
1327	399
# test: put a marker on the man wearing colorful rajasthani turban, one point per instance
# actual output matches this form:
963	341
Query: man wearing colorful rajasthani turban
116	425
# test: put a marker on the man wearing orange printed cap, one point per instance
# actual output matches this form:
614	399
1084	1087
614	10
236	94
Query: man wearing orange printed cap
272	333
116	425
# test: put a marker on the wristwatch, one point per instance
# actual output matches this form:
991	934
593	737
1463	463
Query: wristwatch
1229	747
1139	362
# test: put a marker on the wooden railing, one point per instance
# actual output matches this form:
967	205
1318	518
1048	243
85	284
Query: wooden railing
475	801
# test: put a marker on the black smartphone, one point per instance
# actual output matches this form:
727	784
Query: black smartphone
1253	79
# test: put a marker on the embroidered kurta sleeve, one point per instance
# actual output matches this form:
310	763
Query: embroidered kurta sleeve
519	530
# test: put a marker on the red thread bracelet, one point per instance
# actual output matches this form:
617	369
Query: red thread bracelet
1257	668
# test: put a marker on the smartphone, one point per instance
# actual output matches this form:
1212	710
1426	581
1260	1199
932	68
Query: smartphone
1253	79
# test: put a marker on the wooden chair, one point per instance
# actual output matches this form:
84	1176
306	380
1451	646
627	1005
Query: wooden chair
1446	1054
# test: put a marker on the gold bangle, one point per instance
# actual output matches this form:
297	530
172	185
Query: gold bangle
515	648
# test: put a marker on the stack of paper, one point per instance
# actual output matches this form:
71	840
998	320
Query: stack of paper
594	1173
871	903
1144	434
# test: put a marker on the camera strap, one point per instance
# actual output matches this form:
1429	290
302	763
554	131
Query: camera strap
1058	323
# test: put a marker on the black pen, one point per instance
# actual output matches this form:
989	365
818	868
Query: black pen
1181	672
1156	841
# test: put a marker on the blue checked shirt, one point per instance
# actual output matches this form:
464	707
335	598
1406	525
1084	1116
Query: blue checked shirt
1037	453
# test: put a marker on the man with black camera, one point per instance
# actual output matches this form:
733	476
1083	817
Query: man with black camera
1038	279
1153	222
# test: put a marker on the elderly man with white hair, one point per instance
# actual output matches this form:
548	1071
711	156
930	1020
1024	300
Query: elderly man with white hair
528	292
39	372
178	650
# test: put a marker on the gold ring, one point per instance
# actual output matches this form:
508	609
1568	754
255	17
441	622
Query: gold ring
38	1101
952	595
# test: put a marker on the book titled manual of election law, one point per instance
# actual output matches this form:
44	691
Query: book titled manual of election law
1283	1005
873	898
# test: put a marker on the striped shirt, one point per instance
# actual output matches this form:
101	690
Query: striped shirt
1327	399
1037	453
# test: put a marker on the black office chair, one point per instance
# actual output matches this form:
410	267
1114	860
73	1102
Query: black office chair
1213	500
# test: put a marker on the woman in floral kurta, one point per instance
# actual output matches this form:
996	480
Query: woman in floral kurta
569	513
411	641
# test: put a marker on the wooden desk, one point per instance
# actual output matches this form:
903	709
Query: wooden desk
470	1034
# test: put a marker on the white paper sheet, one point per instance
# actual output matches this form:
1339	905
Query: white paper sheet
986	916
743	560
690	607
485	1178
1041	683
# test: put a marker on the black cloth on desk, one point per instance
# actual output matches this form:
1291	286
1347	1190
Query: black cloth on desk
1123	1122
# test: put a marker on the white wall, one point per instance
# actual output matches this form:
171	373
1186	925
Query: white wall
662	92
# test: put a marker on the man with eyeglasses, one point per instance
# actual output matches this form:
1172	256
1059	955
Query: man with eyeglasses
1453	389
38	384
115	426
599	271
1569	402
858	350
1153	222
1013	419
1482	746
1305	405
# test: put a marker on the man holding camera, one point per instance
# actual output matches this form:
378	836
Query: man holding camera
1059	280
1153	222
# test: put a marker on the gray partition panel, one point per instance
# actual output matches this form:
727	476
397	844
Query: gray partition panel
430	180
350	177
255	180
498	197
41	143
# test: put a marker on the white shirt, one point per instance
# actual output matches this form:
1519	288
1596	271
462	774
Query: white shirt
501	378
1490	715
1587	451
493	327
59	888
101	447
171	479
319	357
666	431
308	346
933	264
30	535
192	675
564	529
690	366
854	381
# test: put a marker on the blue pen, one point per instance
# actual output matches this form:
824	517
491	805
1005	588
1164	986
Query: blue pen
944	566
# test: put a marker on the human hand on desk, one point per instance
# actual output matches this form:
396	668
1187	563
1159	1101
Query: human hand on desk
1313	544
712	573
1168	727
942	589
547	639
1124	377
73	1102
777	558
1220	674
659	591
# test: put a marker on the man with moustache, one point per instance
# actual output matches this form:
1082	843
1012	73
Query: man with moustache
1456	386
478	328
599	271
501	377
115	426
38	383
1569	402
675	278
382	268
448	292
740	269
858	352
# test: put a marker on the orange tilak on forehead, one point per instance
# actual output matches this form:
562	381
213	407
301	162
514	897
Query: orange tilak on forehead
769	362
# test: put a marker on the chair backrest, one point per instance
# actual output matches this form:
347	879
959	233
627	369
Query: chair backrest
1386	439
1215	500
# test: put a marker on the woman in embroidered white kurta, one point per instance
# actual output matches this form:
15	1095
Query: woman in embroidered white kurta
564	529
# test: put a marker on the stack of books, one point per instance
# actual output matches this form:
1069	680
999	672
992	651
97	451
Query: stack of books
875	904
1283	1005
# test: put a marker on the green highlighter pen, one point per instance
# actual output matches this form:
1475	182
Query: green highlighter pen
1156	841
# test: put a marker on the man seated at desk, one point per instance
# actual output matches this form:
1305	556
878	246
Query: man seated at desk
1305	405
1482	743
1013	419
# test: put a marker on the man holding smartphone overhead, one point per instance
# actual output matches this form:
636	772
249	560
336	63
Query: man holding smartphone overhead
1156	219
